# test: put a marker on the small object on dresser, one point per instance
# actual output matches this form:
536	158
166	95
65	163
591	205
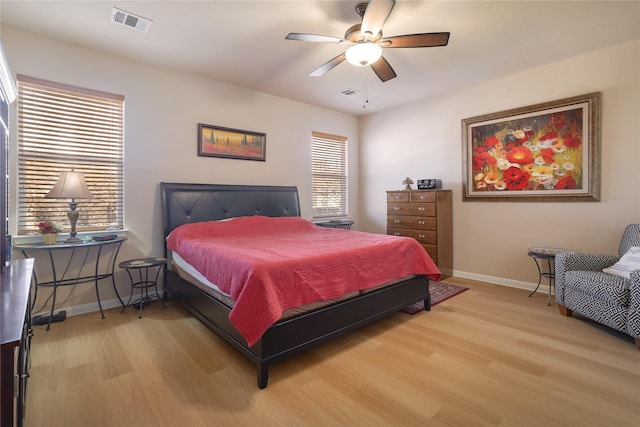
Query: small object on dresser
407	183
429	184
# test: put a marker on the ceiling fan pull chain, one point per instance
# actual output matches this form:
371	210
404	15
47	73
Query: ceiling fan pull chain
365	89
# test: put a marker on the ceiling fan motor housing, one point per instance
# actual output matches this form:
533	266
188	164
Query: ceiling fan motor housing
354	35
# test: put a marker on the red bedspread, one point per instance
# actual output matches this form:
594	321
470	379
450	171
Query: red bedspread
268	265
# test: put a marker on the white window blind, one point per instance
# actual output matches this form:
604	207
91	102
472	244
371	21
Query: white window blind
64	128
329	175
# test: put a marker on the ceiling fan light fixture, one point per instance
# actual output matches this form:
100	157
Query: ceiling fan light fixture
363	54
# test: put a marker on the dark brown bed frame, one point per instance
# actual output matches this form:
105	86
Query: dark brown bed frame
184	203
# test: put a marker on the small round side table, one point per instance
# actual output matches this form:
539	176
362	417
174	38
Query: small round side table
141	274
548	255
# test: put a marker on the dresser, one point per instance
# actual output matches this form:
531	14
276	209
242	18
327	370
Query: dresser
15	338
424	215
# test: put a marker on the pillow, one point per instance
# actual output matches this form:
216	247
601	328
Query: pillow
629	262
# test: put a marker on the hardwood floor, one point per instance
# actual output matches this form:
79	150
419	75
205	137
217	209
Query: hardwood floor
487	357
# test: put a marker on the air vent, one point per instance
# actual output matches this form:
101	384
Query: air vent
350	92
129	20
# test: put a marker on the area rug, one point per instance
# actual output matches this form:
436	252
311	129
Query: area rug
439	291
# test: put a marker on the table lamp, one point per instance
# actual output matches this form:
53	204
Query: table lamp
71	185
407	183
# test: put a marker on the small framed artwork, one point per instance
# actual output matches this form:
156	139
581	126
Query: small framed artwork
546	152
216	141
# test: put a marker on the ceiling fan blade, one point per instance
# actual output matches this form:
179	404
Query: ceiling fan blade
314	38
383	69
416	40
328	65
375	16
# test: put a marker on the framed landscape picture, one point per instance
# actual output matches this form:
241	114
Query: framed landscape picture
543	152
216	141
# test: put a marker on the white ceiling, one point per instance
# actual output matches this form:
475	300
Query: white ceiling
242	42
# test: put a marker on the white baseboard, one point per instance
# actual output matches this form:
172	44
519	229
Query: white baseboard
91	308
544	288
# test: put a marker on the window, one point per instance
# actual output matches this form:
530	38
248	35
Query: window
329	175
64	128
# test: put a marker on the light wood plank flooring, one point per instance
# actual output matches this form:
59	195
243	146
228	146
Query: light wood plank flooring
488	357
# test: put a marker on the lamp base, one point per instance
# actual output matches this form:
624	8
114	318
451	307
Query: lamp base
73	218
73	239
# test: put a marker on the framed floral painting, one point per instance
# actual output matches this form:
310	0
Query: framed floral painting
216	141
543	152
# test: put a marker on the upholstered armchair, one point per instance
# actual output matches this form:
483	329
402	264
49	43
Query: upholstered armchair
583	288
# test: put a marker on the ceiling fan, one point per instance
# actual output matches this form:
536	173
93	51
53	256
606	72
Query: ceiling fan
365	40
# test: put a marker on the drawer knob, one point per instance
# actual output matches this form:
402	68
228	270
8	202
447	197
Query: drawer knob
395	208
420	208
397	221
422	236
396	234
421	222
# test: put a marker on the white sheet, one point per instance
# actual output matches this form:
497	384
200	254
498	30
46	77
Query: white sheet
189	269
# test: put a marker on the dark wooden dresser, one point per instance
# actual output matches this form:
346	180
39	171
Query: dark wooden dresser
424	215
15	336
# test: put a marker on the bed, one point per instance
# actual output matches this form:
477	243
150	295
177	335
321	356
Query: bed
199	203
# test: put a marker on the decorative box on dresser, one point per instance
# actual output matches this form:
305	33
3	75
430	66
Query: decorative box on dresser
424	215
15	335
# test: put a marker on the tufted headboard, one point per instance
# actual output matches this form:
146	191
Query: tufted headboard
184	203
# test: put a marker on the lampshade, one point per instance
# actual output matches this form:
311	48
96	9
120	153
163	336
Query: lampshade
70	185
362	54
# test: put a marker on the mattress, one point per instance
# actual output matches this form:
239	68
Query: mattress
191	275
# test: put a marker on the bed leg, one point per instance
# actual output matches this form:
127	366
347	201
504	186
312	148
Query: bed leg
427	303
263	375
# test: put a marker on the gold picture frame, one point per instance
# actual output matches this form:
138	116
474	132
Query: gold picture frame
547	152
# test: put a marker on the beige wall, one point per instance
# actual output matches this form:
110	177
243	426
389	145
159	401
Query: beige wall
423	140
420	140
162	110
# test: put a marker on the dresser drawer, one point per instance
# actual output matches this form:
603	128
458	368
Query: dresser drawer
398	196
421	209
421	197
432	250
422	236
415	222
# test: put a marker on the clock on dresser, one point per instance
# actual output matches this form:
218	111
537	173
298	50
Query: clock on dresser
429	184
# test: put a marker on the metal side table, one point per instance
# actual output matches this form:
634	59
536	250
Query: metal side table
91	252
541	255
142	277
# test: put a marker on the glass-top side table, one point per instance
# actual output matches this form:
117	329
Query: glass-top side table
91	252
140	271
540	255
